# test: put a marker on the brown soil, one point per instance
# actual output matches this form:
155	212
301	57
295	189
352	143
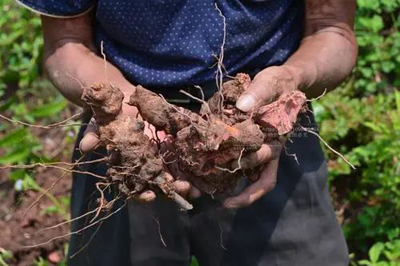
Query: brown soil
17	232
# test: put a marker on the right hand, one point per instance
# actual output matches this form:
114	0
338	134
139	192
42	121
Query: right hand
91	141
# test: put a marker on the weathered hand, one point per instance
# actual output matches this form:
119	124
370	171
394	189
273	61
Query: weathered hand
91	141
268	157
266	87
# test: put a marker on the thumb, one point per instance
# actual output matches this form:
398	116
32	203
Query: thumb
90	139
247	101
260	91
265	88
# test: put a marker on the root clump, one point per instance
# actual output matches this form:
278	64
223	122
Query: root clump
209	142
206	144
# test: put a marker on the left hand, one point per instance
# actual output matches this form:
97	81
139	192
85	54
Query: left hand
266	87
91	141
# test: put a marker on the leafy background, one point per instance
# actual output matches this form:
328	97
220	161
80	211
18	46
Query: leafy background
361	119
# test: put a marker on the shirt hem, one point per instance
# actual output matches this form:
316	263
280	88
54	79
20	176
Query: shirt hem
52	15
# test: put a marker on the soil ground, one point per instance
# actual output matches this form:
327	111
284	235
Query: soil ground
16	231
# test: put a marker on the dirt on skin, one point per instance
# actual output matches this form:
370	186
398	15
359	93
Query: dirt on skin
134	164
132	158
206	144
17	232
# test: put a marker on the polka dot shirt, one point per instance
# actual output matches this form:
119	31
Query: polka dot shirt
174	43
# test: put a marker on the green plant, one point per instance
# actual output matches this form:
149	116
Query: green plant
4	256
362	120
20	44
40	262
25	96
383	254
194	262
377	28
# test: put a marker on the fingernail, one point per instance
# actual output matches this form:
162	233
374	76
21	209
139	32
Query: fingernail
246	103
182	186
147	196
89	142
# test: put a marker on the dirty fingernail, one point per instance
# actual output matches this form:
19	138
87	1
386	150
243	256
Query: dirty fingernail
89	142
246	103
182	186
147	196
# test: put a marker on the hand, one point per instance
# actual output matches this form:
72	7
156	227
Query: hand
91	141
266	87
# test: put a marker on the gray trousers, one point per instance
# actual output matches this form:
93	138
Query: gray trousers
294	224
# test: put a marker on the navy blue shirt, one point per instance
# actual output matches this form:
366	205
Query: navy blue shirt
163	43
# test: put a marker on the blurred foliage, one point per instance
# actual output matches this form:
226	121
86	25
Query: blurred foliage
4	256
25	95
362	120
381	254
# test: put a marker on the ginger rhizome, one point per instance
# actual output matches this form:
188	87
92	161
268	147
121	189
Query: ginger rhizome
205	144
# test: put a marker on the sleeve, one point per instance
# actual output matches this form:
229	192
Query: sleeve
59	8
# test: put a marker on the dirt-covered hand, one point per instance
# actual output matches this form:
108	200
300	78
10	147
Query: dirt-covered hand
268	155
91	141
266	87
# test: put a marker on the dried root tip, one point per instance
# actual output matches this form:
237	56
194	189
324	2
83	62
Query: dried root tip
163	184
183	204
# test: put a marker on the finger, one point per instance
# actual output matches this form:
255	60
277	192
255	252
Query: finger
261	90
194	193
90	140
266	87
147	196
167	175
180	176
266	153
256	190
182	187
